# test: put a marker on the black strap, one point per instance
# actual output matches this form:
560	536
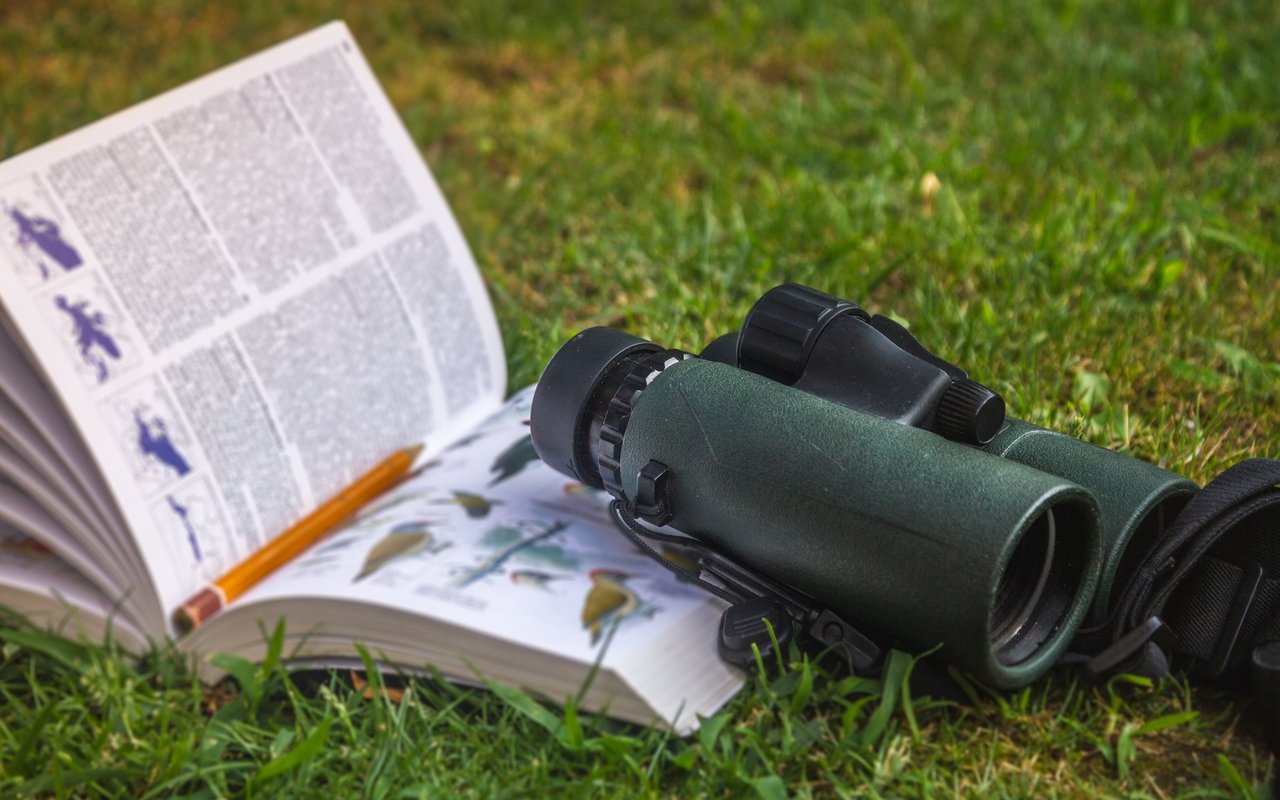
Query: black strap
626	521
742	588
1208	595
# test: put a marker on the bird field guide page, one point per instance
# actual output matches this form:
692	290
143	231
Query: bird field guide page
222	306
244	293
487	563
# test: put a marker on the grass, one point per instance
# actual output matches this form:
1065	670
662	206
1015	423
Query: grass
79	720
1101	247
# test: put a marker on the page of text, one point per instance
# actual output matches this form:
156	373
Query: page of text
246	292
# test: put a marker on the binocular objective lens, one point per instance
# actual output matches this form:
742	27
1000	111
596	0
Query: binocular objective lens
1038	585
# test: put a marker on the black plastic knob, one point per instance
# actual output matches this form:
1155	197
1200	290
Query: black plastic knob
969	412
781	328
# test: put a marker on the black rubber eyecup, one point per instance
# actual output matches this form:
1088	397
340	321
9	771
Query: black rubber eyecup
562	404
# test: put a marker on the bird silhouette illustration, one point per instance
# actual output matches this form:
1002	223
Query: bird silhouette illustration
608	601
403	540
511	461
467	440
534	578
418	470
476	506
332	546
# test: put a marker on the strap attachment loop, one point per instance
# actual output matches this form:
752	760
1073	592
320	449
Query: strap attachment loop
1153	640
1229	638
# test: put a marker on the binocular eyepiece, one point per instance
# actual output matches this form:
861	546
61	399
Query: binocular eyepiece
830	452
832	348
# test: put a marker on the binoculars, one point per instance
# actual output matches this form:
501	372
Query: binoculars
830	457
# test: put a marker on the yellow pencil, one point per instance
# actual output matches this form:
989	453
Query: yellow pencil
280	550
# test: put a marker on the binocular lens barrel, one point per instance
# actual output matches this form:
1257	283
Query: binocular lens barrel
803	337
893	527
1137	499
1033	592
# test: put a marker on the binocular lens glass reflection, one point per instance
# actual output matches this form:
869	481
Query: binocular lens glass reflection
1036	588
1023	582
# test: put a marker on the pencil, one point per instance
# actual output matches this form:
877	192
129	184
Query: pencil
283	548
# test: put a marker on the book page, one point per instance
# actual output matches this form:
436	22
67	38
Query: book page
76	477
488	537
245	292
23	513
40	588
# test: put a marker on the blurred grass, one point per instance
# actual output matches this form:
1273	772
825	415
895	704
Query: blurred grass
1101	248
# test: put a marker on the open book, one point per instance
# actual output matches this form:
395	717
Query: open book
222	306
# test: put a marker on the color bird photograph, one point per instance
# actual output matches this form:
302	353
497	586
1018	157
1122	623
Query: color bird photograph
539	545
536	579
608	602
404	540
513	460
477	506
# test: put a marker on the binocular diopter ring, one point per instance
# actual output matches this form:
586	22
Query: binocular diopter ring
617	412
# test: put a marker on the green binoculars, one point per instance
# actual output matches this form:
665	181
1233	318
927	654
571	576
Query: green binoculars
826	452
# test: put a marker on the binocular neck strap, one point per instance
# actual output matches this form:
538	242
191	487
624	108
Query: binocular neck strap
1209	593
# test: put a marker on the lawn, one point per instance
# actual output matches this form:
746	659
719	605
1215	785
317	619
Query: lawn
1099	241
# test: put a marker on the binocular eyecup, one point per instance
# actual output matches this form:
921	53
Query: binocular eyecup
572	398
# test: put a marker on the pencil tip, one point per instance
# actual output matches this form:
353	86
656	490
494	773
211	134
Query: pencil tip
415	451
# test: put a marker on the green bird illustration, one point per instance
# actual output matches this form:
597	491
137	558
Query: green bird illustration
403	540
476	506
512	460
608	601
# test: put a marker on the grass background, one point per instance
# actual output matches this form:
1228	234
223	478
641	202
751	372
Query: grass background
1101	248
